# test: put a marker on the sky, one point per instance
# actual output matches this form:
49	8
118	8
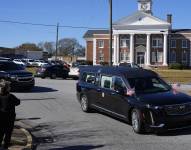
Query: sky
88	13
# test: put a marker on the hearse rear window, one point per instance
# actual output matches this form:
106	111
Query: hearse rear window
88	77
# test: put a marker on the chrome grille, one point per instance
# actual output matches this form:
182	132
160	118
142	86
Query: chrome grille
180	109
25	79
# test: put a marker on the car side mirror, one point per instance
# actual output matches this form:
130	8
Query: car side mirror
120	91
176	88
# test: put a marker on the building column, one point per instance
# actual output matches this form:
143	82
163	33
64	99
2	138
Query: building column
148	50
94	52
115	50
131	48
165	51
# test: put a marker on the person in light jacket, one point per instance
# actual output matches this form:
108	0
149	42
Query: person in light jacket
7	113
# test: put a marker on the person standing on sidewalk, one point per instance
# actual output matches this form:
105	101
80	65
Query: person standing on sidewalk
7	113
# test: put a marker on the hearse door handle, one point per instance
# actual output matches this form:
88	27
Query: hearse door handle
113	93
98	90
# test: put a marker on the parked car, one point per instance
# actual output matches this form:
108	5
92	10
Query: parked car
28	62
19	62
41	69
5	58
75	70
39	63
54	72
130	65
137	96
19	78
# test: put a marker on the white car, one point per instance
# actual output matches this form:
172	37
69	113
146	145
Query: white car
39	63
28	62
19	62
75	70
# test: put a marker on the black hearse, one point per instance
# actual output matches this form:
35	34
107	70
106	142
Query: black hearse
137	96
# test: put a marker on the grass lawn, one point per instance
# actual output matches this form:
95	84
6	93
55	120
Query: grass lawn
172	76
175	76
31	69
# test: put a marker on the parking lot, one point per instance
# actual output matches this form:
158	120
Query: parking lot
57	123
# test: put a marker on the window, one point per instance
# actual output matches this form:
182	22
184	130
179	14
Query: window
173	56
100	43
6	66
184	44
184	56
106	82
124	56
148	85
157	43
173	44
157	57
119	84
88	77
101	56
154	57
124	42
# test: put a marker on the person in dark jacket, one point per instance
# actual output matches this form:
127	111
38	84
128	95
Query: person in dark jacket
7	113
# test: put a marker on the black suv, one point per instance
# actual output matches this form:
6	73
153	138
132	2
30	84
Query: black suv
54	71
19	78
137	96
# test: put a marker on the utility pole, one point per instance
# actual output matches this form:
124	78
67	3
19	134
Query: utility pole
57	31
111	32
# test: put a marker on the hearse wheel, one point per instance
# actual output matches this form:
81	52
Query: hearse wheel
84	103
137	122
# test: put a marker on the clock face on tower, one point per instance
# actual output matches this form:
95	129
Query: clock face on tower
144	6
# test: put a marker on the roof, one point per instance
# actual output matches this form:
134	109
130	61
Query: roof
124	71
90	33
181	31
140	20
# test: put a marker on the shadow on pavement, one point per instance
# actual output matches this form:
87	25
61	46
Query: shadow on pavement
37	99
178	132
19	119
38	89
79	147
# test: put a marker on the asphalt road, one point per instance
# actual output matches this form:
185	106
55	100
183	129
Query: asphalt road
58	123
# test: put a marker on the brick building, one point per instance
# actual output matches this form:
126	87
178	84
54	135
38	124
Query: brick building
141	38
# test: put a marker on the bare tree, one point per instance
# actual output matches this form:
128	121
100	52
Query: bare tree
70	46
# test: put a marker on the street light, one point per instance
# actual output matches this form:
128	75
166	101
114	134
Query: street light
111	32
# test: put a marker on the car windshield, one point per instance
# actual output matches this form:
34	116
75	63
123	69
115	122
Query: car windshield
148	85
10	66
75	64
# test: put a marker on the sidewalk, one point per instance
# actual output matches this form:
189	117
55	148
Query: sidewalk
21	138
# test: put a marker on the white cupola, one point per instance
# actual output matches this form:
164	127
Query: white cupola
145	6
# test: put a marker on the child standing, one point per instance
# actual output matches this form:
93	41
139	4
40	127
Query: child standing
7	113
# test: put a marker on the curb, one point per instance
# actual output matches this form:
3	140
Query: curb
29	138
21	126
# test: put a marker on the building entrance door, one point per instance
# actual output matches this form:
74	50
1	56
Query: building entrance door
141	58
